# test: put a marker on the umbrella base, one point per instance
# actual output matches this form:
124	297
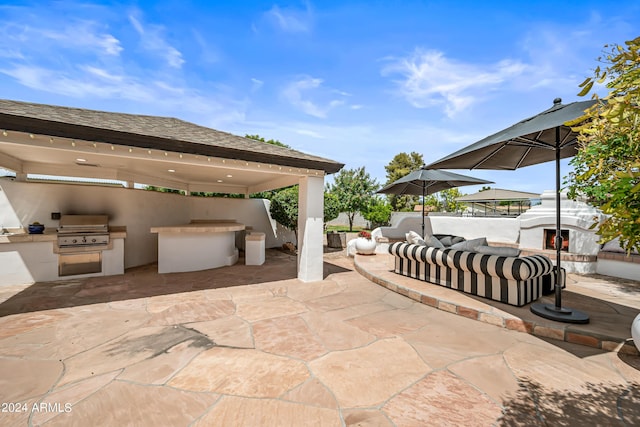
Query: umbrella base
559	314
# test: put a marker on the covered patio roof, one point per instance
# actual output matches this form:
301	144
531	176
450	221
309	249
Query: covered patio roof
161	151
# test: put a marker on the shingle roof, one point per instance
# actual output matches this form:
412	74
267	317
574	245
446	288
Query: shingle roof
150	132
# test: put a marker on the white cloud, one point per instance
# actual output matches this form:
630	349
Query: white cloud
310	133
297	93
429	79
74	35
256	84
209	53
152	40
92	83
289	20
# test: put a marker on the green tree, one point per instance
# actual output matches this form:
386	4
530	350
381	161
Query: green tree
607	166
432	203
449	197
377	212
284	208
270	141
400	166
164	189
331	207
354	188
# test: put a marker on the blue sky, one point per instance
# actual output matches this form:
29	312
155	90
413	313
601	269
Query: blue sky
357	82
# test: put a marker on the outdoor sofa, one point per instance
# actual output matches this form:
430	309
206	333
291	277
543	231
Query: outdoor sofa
509	279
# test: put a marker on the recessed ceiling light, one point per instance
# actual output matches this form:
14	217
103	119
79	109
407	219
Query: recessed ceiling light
81	160
172	170
229	176
219	180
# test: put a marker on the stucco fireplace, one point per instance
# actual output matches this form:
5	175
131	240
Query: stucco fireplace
580	247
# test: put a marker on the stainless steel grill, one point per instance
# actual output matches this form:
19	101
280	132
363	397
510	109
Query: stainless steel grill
81	240
83	230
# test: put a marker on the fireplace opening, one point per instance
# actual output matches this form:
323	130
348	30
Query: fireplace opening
550	237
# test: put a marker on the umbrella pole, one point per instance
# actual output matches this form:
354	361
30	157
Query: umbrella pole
558	238
423	191
551	311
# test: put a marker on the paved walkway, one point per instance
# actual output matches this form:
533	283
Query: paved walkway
177	349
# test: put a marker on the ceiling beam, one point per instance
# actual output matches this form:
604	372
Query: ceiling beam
10	162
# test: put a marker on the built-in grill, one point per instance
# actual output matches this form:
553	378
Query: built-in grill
83	230
81	239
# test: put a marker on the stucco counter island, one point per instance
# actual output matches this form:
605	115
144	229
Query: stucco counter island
197	246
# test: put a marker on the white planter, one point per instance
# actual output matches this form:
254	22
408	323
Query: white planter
365	246
635	331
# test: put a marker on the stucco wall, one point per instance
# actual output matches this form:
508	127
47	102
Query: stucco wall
500	229
506	230
22	203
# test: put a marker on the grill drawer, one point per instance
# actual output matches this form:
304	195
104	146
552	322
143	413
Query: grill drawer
79	263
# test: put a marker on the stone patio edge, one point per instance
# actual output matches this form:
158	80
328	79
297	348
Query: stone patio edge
495	316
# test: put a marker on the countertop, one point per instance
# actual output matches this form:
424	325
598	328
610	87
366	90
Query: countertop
200	227
51	235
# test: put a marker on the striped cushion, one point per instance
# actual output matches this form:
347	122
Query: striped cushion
513	280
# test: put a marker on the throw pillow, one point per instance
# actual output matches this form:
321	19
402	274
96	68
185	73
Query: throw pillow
446	240
470	245
498	250
457	239
433	242
415	239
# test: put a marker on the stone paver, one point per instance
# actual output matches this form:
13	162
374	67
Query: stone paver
241	372
439	394
238	411
359	379
272	351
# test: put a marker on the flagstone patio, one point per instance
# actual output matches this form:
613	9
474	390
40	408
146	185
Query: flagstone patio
253	345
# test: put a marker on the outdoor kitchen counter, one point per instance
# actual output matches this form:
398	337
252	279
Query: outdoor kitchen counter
51	235
197	246
27	258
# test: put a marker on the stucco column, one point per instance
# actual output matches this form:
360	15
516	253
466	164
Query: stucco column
310	228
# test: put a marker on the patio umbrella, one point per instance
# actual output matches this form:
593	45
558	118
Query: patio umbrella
428	181
538	139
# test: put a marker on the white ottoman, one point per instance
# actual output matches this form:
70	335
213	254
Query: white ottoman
254	248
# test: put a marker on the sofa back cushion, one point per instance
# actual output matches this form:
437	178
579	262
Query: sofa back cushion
470	245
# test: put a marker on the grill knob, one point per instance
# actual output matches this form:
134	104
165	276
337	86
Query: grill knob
74	241
93	240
